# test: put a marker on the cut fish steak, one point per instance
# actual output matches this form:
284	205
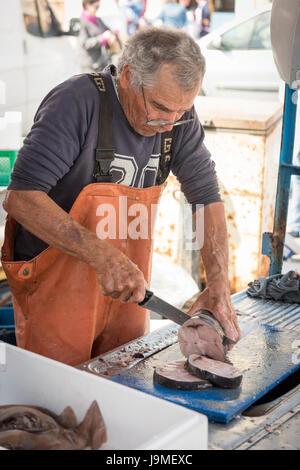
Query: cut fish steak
221	374
174	375
202	334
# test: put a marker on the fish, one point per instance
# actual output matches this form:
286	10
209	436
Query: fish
220	374
202	334
25	427
204	344
174	375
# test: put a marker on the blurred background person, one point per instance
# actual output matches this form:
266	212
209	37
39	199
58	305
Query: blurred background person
97	44
198	17
113	16
172	15
202	18
190	7
292	238
294	218
293	221
134	12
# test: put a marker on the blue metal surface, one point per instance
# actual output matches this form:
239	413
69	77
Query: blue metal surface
265	356
274	248
293	169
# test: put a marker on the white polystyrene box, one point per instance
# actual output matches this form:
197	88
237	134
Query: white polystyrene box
134	420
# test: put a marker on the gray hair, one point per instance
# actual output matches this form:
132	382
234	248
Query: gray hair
151	47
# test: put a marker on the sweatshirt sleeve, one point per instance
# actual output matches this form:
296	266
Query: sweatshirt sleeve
193	166
56	137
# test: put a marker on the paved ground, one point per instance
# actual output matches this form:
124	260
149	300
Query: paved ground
286	437
291	264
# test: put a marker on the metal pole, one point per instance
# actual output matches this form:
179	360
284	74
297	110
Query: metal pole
284	180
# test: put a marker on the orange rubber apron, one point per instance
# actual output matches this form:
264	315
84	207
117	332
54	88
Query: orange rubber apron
60	311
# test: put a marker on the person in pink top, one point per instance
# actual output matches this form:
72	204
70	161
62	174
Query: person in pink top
93	39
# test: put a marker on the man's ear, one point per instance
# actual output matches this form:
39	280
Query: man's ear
125	78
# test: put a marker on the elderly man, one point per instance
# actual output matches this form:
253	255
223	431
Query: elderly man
98	144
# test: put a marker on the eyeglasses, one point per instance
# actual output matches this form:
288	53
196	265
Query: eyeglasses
159	122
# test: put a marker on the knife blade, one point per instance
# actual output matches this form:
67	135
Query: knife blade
163	308
167	310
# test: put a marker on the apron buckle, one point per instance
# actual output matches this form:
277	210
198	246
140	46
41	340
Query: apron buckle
104	158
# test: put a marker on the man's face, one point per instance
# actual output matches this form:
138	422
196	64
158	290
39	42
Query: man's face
166	101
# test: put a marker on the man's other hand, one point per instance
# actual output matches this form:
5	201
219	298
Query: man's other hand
217	301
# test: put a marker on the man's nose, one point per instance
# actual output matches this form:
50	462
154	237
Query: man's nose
173	117
167	127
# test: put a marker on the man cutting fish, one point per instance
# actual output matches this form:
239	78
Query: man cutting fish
96	142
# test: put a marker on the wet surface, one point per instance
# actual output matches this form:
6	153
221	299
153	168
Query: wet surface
265	356
130	354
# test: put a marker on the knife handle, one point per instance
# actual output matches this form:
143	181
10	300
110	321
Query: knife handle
146	298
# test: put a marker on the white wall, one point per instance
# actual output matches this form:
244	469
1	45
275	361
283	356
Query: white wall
108	12
73	9
12	83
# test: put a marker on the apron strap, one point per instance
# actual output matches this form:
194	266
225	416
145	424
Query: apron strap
105	151
164	167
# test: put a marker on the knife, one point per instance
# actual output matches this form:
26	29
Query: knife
164	309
